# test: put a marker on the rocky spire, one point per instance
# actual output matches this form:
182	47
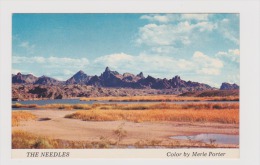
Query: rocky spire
140	75
107	69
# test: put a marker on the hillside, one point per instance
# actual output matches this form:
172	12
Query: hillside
220	93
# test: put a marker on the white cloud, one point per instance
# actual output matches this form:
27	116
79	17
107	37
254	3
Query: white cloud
151	65
207	65
15	71
156	18
167	18
39	59
154	65
67	61
171	35
210	82
199	17
205	26
163	49
120	60
231	55
60	68
206	60
234	78
166	33
209	71
234	51
68	72
51	61
224	26
157	65
27	46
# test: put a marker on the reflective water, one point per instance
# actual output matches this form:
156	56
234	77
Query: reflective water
55	101
77	101
211	138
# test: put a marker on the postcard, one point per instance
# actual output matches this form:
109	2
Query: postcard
110	85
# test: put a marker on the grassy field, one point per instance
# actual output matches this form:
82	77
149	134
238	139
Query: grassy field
22	140
53	106
152	113
218	116
25	140
18	116
161	98
146	106
190	112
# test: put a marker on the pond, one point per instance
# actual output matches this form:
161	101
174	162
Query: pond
77	101
208	138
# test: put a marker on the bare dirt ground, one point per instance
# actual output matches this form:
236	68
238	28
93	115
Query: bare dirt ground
59	127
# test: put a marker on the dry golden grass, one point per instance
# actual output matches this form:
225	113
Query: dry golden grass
18	105
25	140
218	116
53	106
161	98
18	116
166	106
147	106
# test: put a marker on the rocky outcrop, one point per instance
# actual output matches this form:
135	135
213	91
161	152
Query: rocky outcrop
129	77
95	81
44	80
34	92
79	78
212	93
24	79
111	83
228	86
141	75
113	79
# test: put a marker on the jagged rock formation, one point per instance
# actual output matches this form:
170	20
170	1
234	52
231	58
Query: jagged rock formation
113	79
111	83
79	78
141	75
24	79
44	80
212	93
228	86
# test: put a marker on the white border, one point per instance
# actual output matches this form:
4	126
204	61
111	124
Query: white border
249	68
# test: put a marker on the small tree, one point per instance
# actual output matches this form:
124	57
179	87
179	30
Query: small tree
120	133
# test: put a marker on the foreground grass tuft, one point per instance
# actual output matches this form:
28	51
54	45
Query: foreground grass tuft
53	106
21	139
25	140
18	116
145	106
217	116
161	98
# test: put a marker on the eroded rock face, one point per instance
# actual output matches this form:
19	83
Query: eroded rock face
29	86
79	78
24	79
141	75
31	92
44	80
228	86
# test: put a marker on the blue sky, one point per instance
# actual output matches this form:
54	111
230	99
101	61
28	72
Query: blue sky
198	47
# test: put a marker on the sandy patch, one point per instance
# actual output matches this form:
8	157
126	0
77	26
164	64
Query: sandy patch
58	127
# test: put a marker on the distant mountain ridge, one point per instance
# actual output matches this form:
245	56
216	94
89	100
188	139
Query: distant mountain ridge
79	78
113	79
21	79
228	86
